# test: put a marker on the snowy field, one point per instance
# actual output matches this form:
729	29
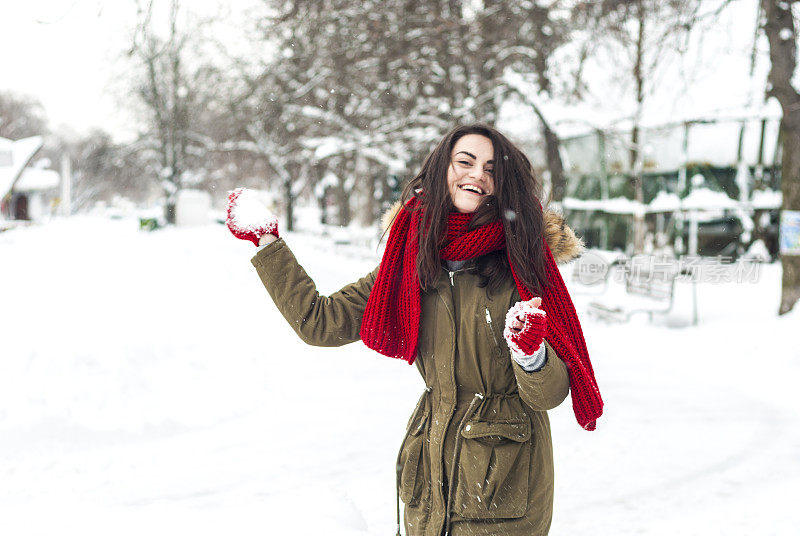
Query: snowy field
149	386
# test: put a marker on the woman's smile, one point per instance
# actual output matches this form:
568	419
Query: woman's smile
471	188
470	174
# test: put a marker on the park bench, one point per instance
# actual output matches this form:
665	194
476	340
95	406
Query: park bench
591	273
650	281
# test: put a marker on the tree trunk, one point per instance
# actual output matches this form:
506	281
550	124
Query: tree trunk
636	145
288	199
372	209
322	203
790	187
638	189
343	170
555	166
343	203
169	212
780	30
558	184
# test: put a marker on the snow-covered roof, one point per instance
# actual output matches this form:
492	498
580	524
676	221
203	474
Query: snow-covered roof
698	199
766	199
708	85
6	152
714	143
704	198
664	202
616	205
37	179
21	152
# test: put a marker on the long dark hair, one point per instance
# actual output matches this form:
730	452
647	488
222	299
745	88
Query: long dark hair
515	201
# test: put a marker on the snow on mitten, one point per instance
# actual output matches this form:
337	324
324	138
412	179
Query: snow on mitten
248	218
532	324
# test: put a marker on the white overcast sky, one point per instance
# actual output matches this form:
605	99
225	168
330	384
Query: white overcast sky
65	53
70	55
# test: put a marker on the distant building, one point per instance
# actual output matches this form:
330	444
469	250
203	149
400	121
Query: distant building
26	192
722	172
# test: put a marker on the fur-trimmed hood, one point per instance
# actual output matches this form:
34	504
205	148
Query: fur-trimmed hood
563	242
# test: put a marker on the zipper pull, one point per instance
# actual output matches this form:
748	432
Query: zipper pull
488	317
451	279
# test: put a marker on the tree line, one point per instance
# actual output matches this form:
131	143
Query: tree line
342	99
338	100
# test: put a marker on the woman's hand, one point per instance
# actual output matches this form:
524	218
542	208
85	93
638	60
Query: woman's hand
249	219
526	326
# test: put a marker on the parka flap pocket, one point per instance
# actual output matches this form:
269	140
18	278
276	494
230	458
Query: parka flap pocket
519	431
494	469
413	473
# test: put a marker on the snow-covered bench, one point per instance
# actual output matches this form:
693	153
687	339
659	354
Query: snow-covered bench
649	289
592	271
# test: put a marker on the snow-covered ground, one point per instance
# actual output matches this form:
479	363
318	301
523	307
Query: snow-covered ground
149	386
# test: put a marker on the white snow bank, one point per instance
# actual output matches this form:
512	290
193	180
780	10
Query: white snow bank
133	401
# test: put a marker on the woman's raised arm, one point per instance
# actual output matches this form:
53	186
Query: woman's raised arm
319	320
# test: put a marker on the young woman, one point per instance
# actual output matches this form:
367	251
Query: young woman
468	291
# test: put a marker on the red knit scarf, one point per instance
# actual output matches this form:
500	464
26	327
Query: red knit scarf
390	324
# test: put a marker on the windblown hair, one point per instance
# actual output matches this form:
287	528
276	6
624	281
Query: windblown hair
515	201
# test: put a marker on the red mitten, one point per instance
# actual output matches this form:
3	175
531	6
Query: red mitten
248	218
526	326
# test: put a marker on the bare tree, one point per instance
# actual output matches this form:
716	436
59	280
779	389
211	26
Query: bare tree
646	32
20	117
781	30
173	94
382	80
103	169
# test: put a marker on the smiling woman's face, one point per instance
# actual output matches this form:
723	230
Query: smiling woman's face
469	177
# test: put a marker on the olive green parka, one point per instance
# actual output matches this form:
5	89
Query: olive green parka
477	455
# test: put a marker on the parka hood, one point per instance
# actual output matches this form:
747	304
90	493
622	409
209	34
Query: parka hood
563	242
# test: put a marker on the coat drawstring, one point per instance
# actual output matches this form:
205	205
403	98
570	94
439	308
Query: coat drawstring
402	445
456	450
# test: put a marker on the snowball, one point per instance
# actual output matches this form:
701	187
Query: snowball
250	214
521	310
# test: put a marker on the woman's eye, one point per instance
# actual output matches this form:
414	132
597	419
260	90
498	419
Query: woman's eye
489	171
463	162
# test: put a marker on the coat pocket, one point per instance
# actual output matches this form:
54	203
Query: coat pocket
413	471
493	469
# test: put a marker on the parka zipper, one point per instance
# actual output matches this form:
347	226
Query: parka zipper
451	484
451	279
491	330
